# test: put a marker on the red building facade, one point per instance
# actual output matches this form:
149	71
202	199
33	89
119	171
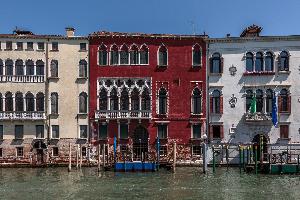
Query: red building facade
148	86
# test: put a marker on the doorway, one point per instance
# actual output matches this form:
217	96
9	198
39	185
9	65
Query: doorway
140	144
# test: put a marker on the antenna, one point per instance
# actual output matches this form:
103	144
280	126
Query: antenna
193	26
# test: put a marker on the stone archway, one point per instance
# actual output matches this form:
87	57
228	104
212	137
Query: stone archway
140	143
39	148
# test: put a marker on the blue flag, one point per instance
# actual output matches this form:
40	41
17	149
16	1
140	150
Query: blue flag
274	111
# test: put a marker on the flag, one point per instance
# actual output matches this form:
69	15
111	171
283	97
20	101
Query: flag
274	111
253	104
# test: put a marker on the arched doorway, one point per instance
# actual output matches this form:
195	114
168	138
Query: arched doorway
39	146
140	143
260	140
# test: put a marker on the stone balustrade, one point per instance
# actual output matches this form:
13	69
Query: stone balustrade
22	78
123	114
22	115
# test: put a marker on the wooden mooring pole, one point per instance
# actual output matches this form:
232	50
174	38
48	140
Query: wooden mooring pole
77	149
99	152
103	157
204	157
80	156
174	156
70	158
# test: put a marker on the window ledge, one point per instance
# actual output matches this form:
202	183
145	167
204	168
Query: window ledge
82	50
215	74
216	113
162	66
284	113
196	114
29	49
54	138
284	72
54	115
18	49
40	50
196	66
53	50
264	73
82	78
82	114
53	78
284	139
7	49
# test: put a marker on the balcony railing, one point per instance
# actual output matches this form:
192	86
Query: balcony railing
257	117
22	78
22	115
123	114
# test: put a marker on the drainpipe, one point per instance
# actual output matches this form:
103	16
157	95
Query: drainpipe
207	90
47	93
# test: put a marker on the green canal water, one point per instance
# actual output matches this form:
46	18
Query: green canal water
186	183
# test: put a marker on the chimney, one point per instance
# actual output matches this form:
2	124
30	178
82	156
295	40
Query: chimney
70	31
228	35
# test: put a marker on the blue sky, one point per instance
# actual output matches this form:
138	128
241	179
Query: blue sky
215	17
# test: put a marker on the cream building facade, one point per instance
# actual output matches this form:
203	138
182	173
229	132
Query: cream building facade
44	96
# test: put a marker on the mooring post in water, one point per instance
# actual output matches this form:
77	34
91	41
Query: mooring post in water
80	146
77	154
244	156
70	157
255	158
158	155
174	156
204	157
115	150
99	159
214	160
240	163
298	163
103	157
247	155
227	157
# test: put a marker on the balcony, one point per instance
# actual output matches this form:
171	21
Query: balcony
22	115
22	78
257	117
123	114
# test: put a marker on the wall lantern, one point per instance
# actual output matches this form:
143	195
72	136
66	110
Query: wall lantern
232	70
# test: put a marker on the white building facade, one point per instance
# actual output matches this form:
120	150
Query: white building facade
253	65
44	95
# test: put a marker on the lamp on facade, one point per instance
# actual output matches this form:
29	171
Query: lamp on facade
204	138
232	70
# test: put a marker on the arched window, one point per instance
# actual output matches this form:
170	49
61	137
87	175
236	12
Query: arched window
284	100
216	101
1	67
144	55
196	101
9	103
114	100
162	101
102	55
249	97
82	102
162	56
82	68
135	101
259	100
196	55
259	62
9	65
124	100
29	67
29	102
269	100
124	55
249	62
40	68
19	101
54	103
269	64
1	102
283	64
114	55
103	99
216	65
146	101
40	102
134	55
19	67
54	68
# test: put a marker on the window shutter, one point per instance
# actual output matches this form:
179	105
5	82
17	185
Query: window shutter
289	104
211	104
221	104
222	131
222	65
279	104
279	63
210	134
210	65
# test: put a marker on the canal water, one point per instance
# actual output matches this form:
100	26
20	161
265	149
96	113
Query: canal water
186	183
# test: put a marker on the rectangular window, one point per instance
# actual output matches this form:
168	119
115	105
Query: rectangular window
196	150
83	131
41	45
55	131
216	131
83	151
162	131
102	57
19	131
20	151
284	131
196	130
82	46
102	131
19	45
123	131
1	153
29	45
54	46
1	132
55	151
8	45
39	131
